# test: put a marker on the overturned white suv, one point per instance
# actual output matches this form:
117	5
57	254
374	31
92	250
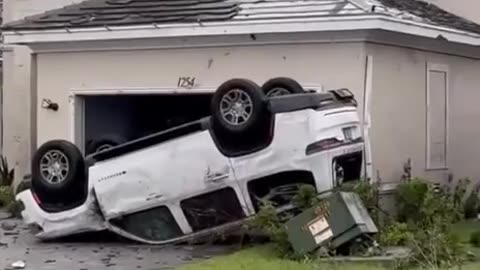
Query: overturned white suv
204	176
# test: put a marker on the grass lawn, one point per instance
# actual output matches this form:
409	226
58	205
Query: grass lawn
465	228
264	258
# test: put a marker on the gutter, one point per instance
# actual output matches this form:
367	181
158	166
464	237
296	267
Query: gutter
363	22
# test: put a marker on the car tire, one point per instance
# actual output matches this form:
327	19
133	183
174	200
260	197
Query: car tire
58	172
250	110
281	86
105	142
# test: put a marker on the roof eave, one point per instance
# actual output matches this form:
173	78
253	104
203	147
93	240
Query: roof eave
368	22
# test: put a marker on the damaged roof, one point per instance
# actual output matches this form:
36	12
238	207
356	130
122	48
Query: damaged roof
431	13
99	13
109	13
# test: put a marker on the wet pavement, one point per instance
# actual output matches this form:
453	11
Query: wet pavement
93	252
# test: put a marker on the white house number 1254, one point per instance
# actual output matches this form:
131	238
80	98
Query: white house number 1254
186	82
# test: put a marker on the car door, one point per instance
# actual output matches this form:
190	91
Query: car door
161	174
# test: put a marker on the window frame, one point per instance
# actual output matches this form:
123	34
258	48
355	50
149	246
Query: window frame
436	68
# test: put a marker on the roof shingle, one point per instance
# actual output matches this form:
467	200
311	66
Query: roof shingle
432	14
101	13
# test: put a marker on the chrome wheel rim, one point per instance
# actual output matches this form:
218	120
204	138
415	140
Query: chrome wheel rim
54	167
236	107
275	92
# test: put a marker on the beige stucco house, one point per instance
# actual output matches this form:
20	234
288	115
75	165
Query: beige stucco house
413	67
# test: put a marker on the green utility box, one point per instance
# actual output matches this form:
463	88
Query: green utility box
337	220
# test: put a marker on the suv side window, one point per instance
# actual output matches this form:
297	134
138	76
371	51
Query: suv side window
156	224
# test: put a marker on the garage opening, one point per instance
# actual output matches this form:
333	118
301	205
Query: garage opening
110	120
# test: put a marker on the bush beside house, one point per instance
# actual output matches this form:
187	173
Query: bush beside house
7	192
423	222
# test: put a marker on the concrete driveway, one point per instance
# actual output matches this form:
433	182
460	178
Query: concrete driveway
93	252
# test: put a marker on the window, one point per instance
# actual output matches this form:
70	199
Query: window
157	224
437	116
212	209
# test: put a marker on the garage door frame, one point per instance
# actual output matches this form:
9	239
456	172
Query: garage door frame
77	104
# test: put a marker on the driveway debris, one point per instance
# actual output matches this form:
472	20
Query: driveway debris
77	253
18	265
8	225
4	215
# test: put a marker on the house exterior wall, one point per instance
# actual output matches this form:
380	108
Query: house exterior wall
331	65
469	9
398	108
398	99
16	104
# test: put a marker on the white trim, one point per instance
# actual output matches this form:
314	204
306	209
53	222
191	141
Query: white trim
367	22
440	68
317	38
33	106
140	91
161	90
71	112
198	42
367	117
76	111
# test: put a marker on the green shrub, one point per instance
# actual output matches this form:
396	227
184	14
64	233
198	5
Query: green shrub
368	193
396	234
421	204
472	203
6	174
439	209
269	223
15	208
306	197
8	202
428	213
435	248
460	191
6	196
475	239
409	197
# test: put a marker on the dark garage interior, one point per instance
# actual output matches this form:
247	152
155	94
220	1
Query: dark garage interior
126	117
